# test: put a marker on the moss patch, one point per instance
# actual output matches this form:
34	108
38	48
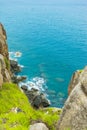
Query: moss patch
12	97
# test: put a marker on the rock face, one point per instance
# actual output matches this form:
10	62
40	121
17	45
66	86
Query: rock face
38	126
3	44
36	98
74	114
14	67
18	79
4	58
4	72
74	81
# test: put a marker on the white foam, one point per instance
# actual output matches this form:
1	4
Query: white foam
22	66
36	83
17	54
14	56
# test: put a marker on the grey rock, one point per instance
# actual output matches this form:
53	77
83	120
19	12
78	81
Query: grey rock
74	114
15	68
17	79
37	101
24	87
38	126
36	98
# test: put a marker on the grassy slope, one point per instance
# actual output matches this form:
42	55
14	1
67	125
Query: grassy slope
10	97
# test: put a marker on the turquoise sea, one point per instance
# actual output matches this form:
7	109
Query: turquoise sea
52	40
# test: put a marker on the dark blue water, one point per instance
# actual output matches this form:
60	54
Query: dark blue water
52	40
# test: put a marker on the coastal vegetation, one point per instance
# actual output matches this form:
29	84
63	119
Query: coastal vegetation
11	97
7	63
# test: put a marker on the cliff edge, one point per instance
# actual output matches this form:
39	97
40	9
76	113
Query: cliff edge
16	111
4	58
74	114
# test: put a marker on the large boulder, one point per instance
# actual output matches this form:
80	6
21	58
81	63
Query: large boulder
38	126
74	114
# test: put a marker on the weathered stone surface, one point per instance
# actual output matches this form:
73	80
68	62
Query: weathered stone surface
74	81
17	79
4	73
74	115
24	87
3	44
3	32
38	126
15	68
36	98
4	58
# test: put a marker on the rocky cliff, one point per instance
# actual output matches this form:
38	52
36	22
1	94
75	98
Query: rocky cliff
3	44
4	58
74	114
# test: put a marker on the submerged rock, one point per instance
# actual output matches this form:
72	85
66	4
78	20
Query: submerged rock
38	126
74	114
18	54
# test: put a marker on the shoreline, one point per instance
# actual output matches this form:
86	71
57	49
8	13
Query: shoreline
33	89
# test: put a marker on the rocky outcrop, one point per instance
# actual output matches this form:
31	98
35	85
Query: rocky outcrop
74	81
14	67
3	44
36	98
38	126
4	58
18	79
74	114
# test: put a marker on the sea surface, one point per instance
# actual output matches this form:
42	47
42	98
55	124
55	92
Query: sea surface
52	41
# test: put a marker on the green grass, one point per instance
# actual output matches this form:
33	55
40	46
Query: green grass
11	97
7	63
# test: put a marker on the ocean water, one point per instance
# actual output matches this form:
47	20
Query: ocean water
52	41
